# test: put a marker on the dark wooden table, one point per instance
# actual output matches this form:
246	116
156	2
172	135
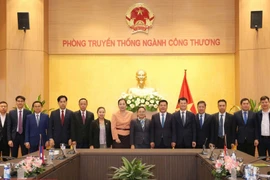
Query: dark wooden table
170	164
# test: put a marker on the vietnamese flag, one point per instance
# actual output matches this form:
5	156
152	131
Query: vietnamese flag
41	149
185	92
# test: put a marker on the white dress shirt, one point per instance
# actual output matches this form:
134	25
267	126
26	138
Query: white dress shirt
203	117
160	115
64	112
265	124
3	118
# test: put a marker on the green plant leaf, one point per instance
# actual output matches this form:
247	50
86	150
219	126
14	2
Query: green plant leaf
132	170
39	97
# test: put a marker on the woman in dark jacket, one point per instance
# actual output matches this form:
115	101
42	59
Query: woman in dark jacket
100	131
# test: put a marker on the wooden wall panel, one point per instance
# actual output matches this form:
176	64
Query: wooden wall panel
252	56
26	53
2	49
250	38
2	25
103	19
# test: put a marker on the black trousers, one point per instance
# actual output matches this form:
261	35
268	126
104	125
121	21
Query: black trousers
4	148
220	143
264	146
17	142
83	145
246	147
142	146
162	145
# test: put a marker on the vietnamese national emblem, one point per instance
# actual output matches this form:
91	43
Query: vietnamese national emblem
139	18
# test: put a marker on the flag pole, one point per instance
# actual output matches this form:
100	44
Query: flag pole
225	145
41	149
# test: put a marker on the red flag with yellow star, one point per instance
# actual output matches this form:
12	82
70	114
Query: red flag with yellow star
185	92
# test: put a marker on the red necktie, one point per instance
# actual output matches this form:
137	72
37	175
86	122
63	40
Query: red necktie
83	117
20	122
62	117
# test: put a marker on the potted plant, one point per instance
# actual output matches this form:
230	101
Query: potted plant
30	108
132	170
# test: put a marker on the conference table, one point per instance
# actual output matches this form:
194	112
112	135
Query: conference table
170	164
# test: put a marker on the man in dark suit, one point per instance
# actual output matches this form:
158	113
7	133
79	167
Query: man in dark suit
263	132
203	125
4	118
140	130
185	124
246	128
60	124
36	124
222	125
80	126
16	127
162	129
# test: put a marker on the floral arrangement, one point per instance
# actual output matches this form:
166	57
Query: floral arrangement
31	165
223	167
150	102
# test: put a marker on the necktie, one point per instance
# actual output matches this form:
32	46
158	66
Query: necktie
83	117
220	128
183	118
201	123
37	116
245	117
20	122
62	117
162	120
142	123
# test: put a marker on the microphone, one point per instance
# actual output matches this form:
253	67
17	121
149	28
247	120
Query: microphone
62	156
203	151
258	159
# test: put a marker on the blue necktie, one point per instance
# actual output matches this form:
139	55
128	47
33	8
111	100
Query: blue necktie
245	117
220	128
201	123
162	120
142	123
37	117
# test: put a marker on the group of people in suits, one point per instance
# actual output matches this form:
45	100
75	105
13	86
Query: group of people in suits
181	129
27	130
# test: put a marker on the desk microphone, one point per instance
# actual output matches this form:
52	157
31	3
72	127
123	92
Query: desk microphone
203	151
62	156
259	158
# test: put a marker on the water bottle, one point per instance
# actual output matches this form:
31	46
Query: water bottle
7	172
51	153
247	171
233	156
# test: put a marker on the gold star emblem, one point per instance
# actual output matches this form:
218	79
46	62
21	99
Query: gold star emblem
140	11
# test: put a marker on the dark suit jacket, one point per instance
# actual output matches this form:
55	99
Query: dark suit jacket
79	131
32	131
229	129
138	135
259	122
204	132
94	134
13	122
3	130
59	133
157	132
245	131
185	134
